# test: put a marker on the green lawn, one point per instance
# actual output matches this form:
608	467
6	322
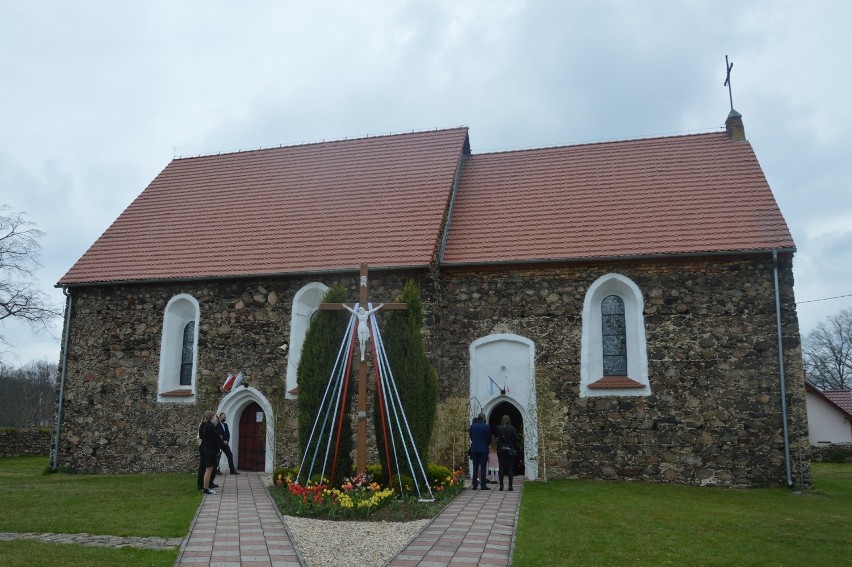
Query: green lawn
574	522
122	505
567	522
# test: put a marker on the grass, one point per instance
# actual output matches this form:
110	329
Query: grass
568	522
574	522
142	505
18	553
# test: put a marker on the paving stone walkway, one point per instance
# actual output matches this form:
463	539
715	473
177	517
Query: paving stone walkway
253	536
477	528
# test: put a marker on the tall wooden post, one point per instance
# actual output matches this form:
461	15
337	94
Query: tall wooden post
361	453
363	299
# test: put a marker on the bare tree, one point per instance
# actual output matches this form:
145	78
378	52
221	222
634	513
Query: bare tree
19	252
827	352
28	394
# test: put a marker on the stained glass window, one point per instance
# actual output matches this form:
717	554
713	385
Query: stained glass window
186	354
614	336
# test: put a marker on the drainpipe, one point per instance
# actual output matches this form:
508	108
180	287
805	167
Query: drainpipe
781	372
68	304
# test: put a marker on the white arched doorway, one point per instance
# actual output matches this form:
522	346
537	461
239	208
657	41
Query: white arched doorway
502	371
234	405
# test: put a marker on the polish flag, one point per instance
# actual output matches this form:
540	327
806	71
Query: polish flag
229	381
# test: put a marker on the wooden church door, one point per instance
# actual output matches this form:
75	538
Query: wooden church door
252	452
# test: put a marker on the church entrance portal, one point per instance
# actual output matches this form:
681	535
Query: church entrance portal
252	449
496	415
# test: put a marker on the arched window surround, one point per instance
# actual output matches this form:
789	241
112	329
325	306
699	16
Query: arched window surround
181	310
636	382
305	303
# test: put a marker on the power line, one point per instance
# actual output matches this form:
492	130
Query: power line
824	299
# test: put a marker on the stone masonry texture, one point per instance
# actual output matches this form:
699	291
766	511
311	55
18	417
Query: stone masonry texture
713	417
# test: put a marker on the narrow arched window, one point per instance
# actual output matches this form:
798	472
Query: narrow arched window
186	356
613	357
614	336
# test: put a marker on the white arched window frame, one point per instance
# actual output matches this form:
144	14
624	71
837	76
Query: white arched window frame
592	380
305	304
179	348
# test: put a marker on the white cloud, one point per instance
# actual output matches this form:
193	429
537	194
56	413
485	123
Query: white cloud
99	96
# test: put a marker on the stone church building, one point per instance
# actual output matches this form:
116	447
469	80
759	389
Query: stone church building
643	288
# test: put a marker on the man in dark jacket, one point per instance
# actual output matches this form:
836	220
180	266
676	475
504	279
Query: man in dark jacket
225	433
480	439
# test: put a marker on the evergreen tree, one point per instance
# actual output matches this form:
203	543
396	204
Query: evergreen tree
416	379
319	352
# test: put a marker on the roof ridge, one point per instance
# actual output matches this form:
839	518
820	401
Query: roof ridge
320	142
599	143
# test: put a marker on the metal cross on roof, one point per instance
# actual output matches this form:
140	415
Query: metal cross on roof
727	83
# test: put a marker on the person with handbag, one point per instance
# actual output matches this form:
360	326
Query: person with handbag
507	449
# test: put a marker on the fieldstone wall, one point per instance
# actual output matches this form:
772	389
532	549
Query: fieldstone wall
832	453
20	442
713	416
112	421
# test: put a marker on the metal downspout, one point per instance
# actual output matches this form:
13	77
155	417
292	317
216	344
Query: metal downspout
68	304
781	370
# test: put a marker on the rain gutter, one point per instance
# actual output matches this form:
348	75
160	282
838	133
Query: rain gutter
614	258
781	372
69	302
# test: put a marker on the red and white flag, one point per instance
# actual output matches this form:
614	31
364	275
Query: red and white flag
238	380
229	381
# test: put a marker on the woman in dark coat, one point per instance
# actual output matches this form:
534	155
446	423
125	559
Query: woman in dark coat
212	444
507	449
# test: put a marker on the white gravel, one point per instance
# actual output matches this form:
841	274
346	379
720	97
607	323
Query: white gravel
323	543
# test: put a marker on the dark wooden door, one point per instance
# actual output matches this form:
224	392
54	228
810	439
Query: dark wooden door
252	453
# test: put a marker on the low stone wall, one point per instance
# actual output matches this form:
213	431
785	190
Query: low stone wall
20	442
834	453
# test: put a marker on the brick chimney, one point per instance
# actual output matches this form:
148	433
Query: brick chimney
734	126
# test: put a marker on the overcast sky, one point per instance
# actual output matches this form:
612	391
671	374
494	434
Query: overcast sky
98	97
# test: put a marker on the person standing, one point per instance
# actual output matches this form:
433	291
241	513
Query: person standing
212	445
493	462
225	433
202	461
507	449
480	439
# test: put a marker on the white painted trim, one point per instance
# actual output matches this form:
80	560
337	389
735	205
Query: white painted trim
519	375
591	348
180	310
305	303
233	405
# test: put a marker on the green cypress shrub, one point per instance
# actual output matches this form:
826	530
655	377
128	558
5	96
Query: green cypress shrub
416	379
319	352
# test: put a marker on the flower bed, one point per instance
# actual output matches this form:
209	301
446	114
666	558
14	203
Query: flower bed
362	498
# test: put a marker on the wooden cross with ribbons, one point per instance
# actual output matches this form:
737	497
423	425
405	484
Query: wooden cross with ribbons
363	301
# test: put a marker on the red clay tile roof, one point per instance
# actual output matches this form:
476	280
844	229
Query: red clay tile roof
308	208
330	206
673	195
841	398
